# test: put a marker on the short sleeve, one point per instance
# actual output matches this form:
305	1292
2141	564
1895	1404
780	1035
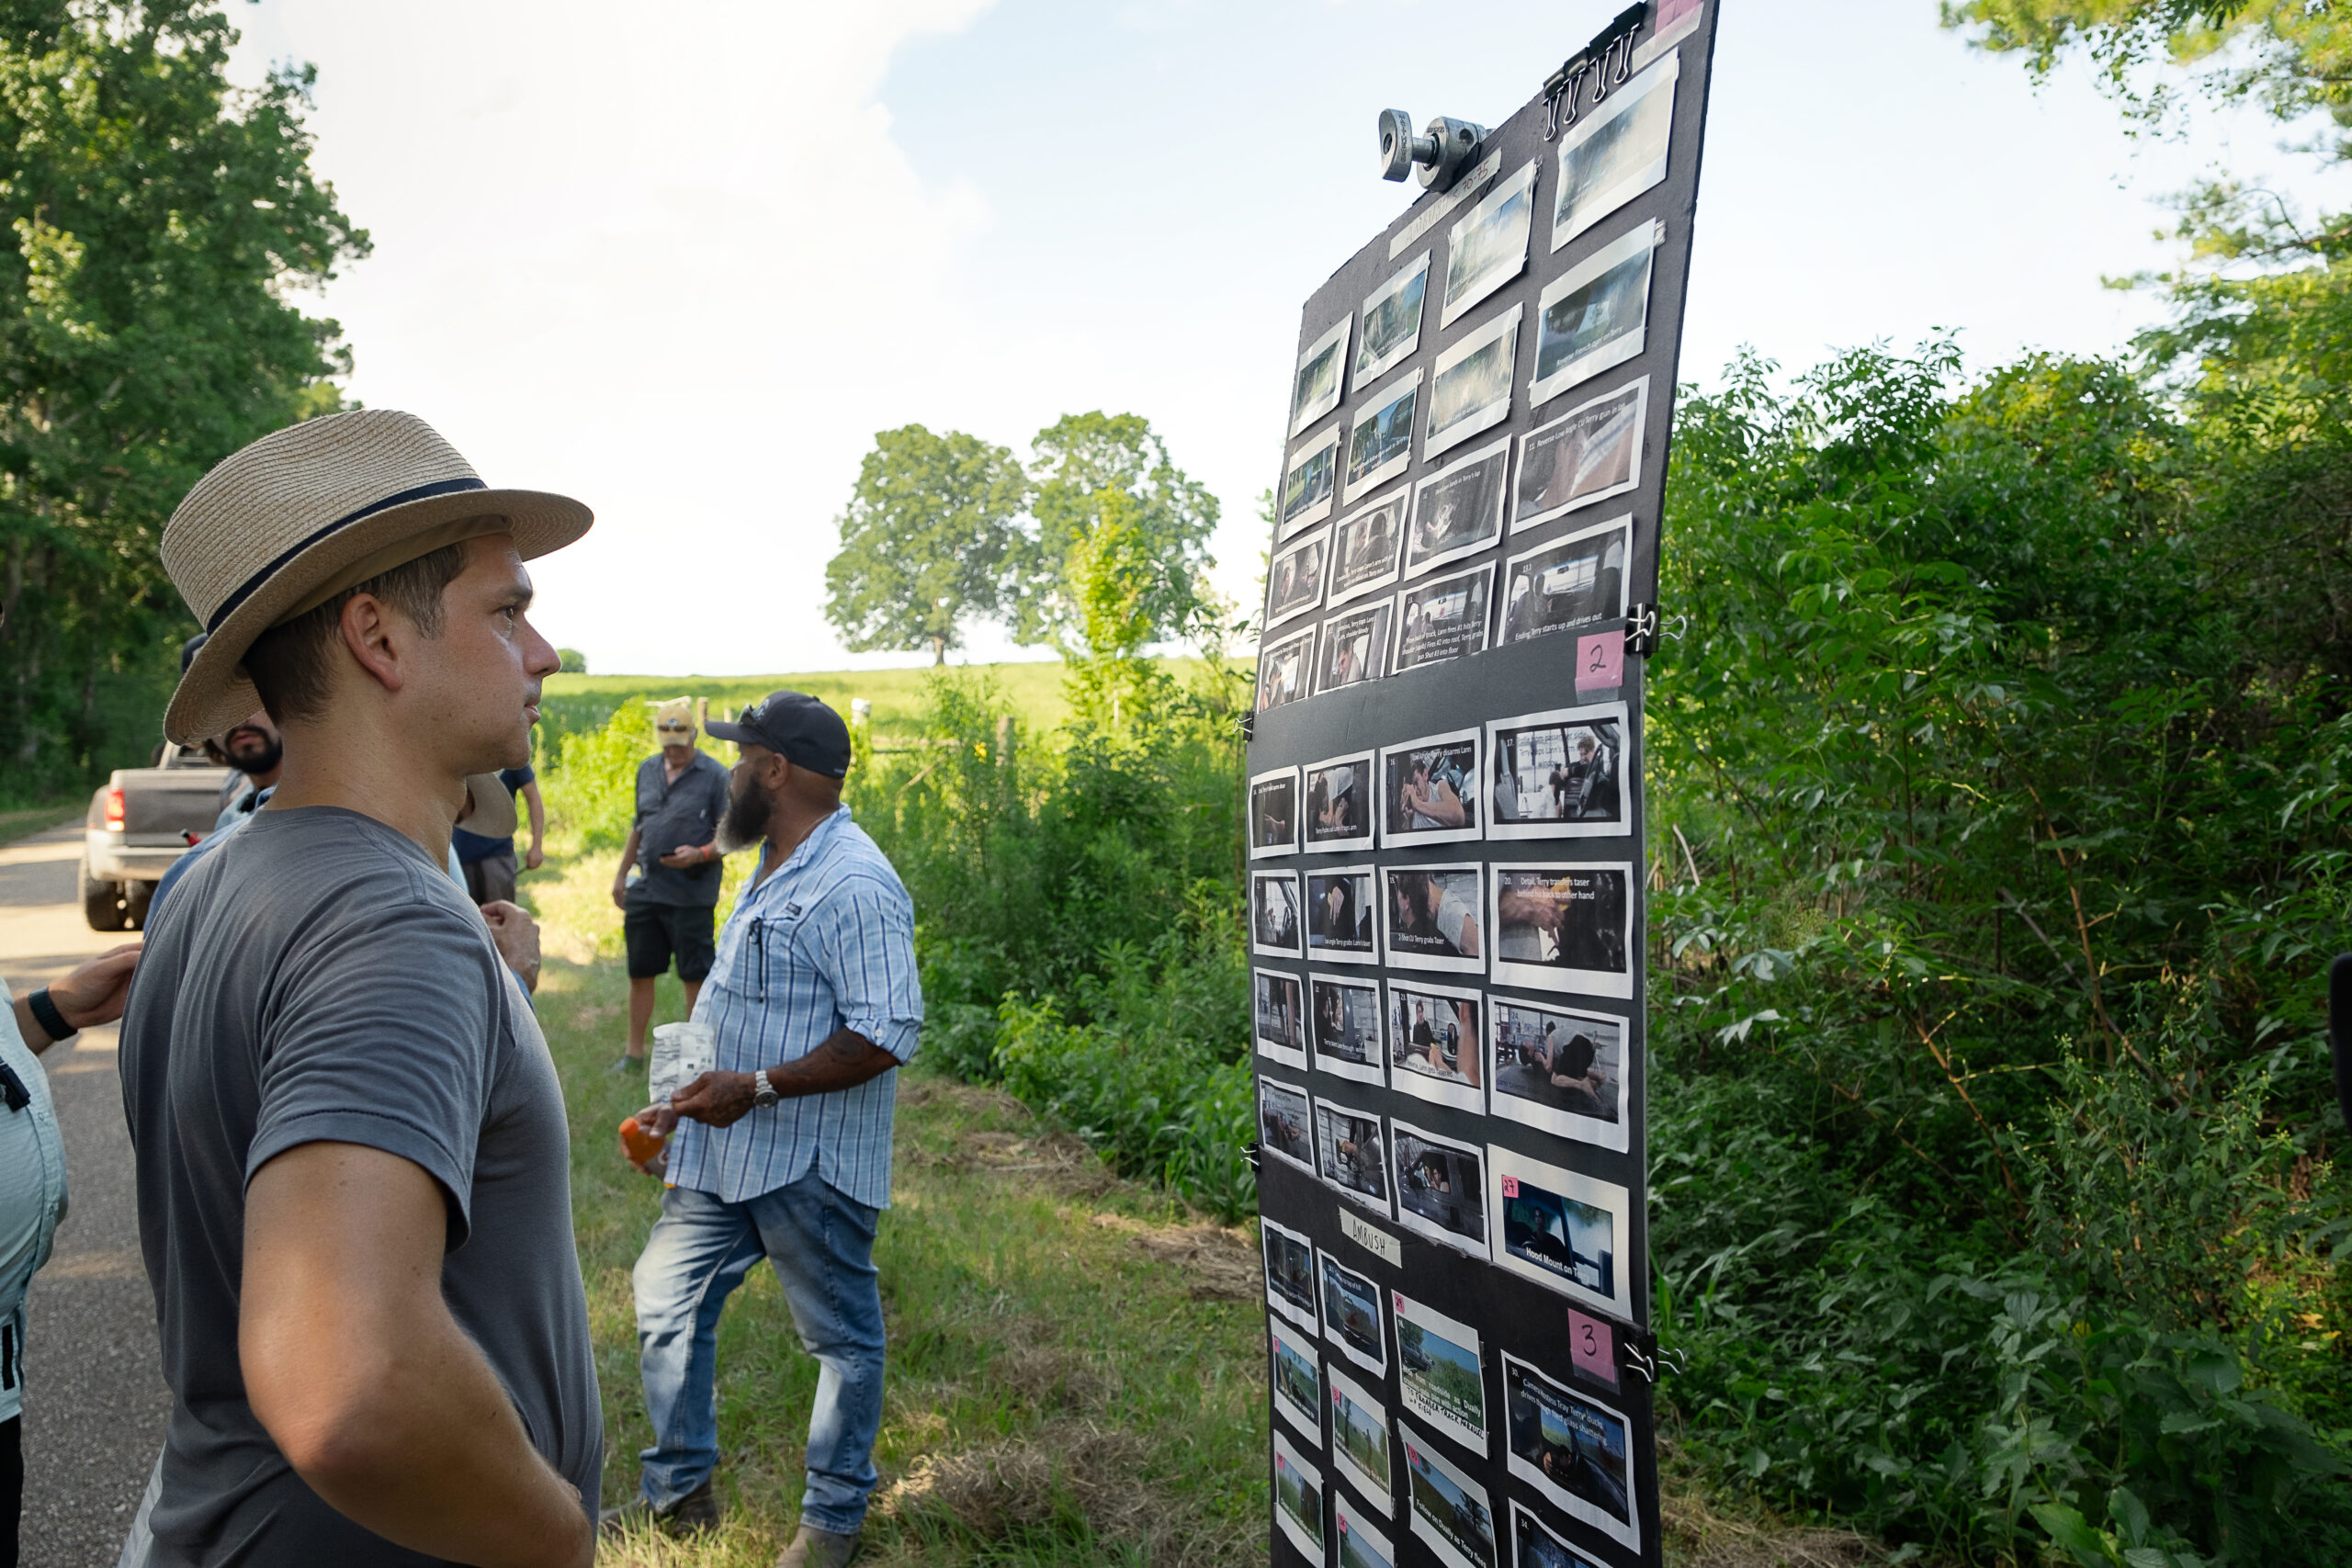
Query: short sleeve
384	1033
516	778
864	946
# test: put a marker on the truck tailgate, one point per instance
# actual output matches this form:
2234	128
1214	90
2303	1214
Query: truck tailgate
169	802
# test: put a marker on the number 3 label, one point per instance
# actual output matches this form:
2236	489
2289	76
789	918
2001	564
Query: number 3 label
1592	1346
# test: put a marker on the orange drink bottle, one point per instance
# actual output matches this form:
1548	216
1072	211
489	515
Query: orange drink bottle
642	1144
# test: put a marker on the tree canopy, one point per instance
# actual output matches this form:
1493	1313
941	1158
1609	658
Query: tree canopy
929	534
164	220
1082	460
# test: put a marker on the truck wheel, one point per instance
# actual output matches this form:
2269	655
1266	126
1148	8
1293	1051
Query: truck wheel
138	896
101	905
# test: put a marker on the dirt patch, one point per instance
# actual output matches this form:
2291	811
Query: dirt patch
928	1091
1700	1537
1050	1379
1057	1162
1218	1264
1037	1481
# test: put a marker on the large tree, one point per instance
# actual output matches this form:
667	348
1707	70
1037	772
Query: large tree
925	542
1081	463
164	220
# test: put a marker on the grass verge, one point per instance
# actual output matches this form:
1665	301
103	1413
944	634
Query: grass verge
1077	1367
24	822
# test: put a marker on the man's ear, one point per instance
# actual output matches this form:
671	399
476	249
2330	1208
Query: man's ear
374	638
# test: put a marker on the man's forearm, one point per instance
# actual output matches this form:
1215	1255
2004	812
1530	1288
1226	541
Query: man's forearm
35	1037
843	1059
629	853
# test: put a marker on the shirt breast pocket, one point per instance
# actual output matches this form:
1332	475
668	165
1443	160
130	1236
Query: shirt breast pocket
767	954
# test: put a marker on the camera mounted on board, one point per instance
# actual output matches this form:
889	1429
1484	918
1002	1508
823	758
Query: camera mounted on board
1442	151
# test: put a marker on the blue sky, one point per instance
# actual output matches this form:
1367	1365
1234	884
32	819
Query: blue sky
683	263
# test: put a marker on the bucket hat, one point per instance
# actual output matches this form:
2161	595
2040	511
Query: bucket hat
493	814
281	527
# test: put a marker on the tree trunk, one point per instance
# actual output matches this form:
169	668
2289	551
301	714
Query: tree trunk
938	651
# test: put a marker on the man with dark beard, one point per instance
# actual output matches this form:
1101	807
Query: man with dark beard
257	752
784	1152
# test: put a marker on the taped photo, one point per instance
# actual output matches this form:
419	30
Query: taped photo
1294	579
1366	548
1286	1123
1595	316
1615	152
1339	923
1587	455
1298	1379
1360	1438
1429	790
1440	1188
1392	322
1298	1498
1347	1028
1355	646
1443	618
1575	584
1439	1373
1533	1544
1280	1021
1350	1155
1309	480
1314	387
1575	1451
1563	926
1290	1272
1560	775
1273	813
1450	1509
1363	1544
1274	914
1558	1070
1339	805
1433	1044
1487	247
1380	438
1287	669
1351	1315
1560	1229
1470	390
1458	511
1430	916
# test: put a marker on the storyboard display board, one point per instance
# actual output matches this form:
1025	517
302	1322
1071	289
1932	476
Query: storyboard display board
1446	850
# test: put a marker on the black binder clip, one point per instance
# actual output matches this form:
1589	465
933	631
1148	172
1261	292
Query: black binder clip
1254	1155
1248	724
1560	90
1644	1355
1641	630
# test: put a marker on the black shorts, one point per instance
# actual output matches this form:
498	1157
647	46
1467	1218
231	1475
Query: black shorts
655	933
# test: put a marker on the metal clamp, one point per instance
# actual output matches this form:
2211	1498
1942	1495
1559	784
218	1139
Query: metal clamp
1248	724
1641	630
1608	60
1644	1355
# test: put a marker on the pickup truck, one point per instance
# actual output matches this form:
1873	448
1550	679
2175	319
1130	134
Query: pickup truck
140	820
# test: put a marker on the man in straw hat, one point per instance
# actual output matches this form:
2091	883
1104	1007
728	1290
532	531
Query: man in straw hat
350	1148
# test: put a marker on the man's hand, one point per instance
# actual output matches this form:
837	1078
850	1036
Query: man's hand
621	891
517	938
95	992
715	1099
534	858
353	1365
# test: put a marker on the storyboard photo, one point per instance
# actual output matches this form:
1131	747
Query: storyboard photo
1560	775
1341	905
1563	926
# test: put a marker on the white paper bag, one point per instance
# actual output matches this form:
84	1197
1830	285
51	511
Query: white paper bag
682	1052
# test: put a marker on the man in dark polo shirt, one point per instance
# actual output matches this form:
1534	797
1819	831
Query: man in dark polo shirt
669	911
489	863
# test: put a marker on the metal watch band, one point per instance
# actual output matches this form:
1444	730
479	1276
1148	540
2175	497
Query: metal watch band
763	1093
52	1023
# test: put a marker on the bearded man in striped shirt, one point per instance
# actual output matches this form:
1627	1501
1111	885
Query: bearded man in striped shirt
784	1151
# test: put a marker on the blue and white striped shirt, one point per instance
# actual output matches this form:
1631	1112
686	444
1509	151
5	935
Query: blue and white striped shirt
826	943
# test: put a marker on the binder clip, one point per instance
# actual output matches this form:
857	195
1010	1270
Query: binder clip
1641	630
1608	60
1248	724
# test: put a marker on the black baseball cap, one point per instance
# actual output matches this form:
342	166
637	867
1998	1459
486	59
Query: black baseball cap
796	727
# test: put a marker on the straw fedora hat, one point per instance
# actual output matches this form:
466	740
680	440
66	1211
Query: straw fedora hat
493	814
287	522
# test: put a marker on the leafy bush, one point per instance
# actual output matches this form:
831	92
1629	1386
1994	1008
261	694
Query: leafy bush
592	784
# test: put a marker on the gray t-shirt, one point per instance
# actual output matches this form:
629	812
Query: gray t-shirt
318	978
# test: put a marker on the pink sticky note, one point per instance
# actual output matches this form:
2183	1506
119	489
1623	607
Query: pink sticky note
1672	11
1592	1347
1510	1186
1601	661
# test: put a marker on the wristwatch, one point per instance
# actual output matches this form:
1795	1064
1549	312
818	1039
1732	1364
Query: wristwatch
763	1093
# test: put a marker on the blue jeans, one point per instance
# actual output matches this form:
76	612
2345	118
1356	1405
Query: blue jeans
821	1247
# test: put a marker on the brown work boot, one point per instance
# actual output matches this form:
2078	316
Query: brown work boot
813	1548
697	1510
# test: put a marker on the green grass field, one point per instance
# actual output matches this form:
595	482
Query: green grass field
1034	691
1077	1366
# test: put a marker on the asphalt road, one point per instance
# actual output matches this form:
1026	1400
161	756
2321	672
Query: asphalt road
94	1403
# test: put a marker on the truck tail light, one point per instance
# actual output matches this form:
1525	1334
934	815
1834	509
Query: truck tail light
114	809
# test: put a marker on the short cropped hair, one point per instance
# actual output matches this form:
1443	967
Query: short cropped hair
289	665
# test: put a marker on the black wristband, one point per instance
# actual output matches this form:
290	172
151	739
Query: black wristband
45	1013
